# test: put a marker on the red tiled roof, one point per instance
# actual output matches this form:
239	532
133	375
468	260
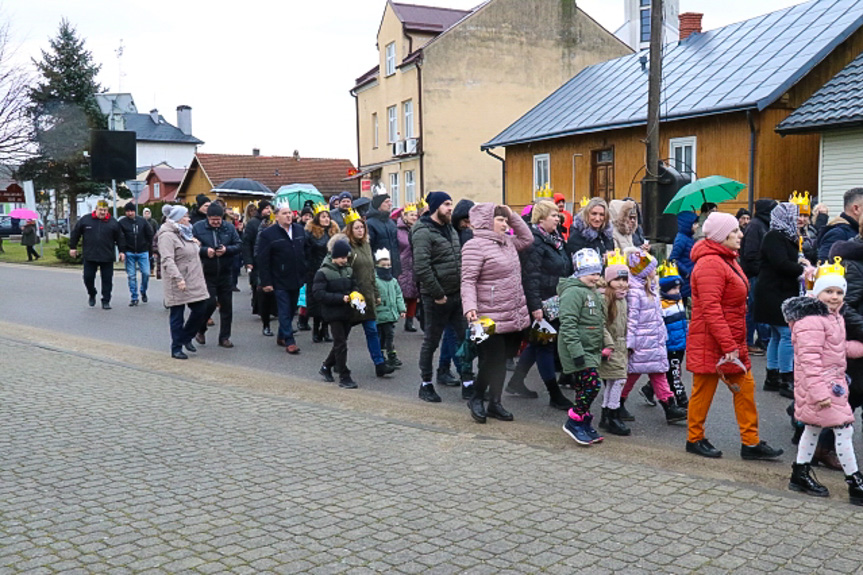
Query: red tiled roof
428	18
275	171
170	175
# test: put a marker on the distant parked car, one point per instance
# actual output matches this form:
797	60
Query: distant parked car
9	227
61	226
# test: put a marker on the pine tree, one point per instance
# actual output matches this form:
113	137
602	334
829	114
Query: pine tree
63	110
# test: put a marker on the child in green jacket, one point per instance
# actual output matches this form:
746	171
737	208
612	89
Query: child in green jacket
580	340
392	306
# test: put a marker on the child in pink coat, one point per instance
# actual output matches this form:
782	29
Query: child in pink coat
820	387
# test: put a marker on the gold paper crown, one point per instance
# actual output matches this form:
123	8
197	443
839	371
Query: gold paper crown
644	260
802	202
102	203
351	217
320	208
422	206
835	269
544	192
410	208
667	269
584	201
615	258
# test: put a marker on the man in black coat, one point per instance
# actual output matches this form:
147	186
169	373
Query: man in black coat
250	236
280	257
750	262
844	227
101	234
138	237
383	233
220	244
201	213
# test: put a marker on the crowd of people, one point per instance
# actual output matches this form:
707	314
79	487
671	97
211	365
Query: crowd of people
580	295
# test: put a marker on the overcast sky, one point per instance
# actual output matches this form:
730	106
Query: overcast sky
269	74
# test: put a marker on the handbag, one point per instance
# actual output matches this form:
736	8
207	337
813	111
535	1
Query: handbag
551	308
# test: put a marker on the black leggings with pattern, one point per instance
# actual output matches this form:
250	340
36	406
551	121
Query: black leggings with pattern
587	386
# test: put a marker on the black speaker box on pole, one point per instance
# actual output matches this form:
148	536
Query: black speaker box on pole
112	155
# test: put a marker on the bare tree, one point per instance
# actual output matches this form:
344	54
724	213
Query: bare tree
16	135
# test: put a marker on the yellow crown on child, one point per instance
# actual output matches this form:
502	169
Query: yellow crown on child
667	269
834	269
802	202
352	216
320	208
544	192
615	258
410	208
584	201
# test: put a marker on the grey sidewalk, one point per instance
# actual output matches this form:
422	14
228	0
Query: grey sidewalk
116	469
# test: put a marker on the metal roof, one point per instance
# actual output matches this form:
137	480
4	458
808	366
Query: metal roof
838	104
428	18
747	65
146	130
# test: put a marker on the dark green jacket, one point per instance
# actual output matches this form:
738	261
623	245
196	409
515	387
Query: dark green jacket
437	258
582	325
363	265
330	286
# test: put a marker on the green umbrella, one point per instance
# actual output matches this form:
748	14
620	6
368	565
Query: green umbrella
715	189
297	195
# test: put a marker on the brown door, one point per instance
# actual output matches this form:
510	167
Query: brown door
602	168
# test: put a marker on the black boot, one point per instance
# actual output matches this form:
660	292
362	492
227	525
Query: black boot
325	332
382	369
673	414
622	412
477	410
393	360
855	487
603	419
786	384
516	384
303	323
772	381
447	379
316	331
409	325
497	411
803	481
346	382
615	424
556	399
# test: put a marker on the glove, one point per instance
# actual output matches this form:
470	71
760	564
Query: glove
606	353
578	361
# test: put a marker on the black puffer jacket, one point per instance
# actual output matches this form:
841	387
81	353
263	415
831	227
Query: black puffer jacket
461	212
851	252
383	233
225	235
778	279
750	246
332	283
437	258
583	236
542	266
100	236
137	233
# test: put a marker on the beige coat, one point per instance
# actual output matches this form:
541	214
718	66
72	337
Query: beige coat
180	261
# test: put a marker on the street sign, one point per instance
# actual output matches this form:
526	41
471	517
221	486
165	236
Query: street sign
14	194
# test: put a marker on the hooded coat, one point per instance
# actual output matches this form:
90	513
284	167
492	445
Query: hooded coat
616	366
461	212
437	258
315	252
623	227
581	235
718	323
392	302
778	279
750	246
330	286
406	255
680	252
383	234
180	261
363	264
645	330
819	342
582	326
841	228
542	266
490	273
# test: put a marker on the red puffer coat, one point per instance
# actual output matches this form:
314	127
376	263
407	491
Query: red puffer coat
719	290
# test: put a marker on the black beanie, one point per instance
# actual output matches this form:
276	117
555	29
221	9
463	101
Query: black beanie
215	209
264	204
129	207
378	200
341	249
201	199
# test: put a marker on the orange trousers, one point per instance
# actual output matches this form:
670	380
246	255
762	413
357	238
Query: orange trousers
742	388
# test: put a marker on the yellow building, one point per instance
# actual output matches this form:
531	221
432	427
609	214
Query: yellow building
448	80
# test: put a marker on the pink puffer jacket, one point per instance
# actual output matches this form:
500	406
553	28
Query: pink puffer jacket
645	331
491	272
819	362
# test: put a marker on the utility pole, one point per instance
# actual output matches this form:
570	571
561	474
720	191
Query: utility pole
649	187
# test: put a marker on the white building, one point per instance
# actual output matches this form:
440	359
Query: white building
635	31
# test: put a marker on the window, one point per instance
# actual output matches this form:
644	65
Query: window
157	189
392	125
391	58
394	188
375	130
682	155
410	188
408	108
540	172
645	20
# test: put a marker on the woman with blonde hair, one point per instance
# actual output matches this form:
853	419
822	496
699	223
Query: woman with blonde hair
591	228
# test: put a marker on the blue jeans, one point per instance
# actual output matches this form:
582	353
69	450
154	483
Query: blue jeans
373	341
182	333
142	261
543	356
286	301
780	350
448	347
752	327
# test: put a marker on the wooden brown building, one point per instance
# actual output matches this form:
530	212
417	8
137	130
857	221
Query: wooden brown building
724	93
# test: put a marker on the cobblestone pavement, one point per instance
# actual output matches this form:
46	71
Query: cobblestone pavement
118	469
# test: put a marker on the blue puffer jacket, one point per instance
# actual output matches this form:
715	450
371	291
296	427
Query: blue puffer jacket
683	243
674	315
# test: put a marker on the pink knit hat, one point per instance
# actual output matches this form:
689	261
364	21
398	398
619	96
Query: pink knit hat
718	226
616	271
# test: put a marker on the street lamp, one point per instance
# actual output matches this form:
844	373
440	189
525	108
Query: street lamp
136	187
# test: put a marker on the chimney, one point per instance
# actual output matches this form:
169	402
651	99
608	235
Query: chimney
154	115
184	119
690	23
256	152
297	155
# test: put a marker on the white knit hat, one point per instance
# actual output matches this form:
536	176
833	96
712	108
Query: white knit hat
829	280
382	254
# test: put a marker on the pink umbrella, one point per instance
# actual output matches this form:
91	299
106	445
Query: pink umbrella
23	214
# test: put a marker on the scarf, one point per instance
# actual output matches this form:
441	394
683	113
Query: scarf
553	238
186	232
783	219
384	274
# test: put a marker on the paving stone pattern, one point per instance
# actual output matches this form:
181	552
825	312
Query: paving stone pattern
112	469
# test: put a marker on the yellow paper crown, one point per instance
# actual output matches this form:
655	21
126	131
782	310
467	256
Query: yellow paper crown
422	206
410	208
834	269
615	258
802	202
102	203
584	201
351	217
320	208
668	269
545	191
644	259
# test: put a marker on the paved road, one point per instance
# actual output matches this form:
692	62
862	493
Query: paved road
55	299
108	467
